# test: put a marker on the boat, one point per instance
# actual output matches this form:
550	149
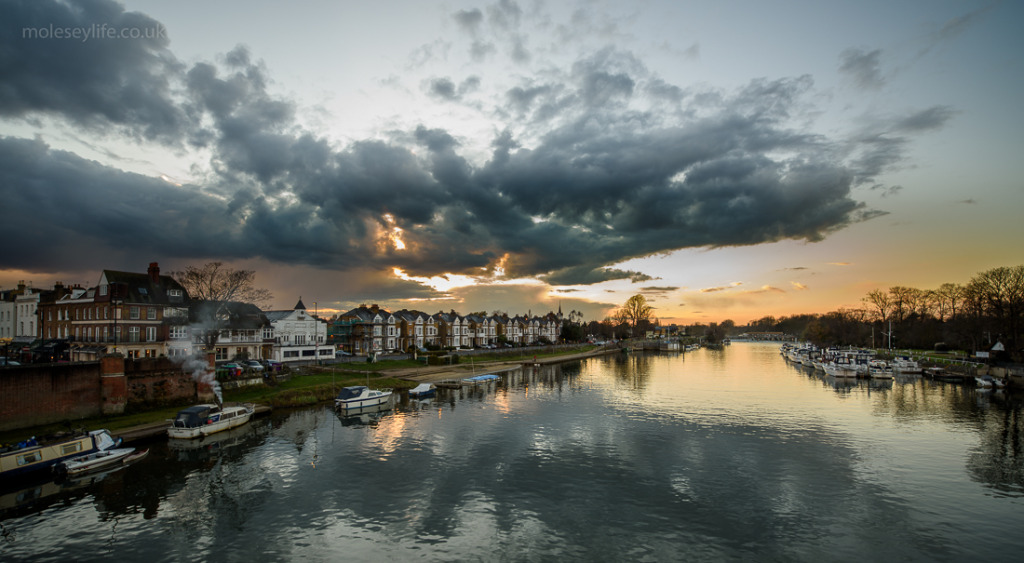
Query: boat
423	390
879	369
359	396
203	420
30	456
985	381
96	461
480	379
904	364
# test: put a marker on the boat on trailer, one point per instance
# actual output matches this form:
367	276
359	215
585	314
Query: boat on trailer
203	420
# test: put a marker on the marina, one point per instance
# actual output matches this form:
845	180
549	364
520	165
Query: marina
734	454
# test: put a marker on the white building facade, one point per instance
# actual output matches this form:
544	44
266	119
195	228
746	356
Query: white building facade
298	336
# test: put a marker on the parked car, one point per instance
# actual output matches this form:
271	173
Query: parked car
7	362
229	369
253	365
342	354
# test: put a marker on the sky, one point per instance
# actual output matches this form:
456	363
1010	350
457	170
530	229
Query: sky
727	160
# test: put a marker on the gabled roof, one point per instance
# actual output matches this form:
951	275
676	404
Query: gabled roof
364	314
144	289
228	314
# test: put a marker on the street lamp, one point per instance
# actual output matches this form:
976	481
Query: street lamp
316	333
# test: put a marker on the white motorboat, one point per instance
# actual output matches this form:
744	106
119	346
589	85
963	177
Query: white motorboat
879	369
103	459
480	379
904	364
203	420
359	396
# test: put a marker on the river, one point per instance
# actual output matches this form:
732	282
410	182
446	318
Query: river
708	455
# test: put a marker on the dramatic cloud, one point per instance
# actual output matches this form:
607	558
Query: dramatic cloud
862	67
596	162
92	83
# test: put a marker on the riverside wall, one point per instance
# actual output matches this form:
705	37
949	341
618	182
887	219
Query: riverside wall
37	395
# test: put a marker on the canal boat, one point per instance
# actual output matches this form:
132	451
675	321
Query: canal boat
480	379
359	396
423	391
203	420
99	460
29	457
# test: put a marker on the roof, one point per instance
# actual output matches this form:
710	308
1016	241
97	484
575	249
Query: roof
232	314
142	288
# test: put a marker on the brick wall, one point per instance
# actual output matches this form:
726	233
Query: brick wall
35	395
47	394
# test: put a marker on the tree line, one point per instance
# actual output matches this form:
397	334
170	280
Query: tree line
975	316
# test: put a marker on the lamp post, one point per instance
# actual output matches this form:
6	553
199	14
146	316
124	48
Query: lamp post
316	333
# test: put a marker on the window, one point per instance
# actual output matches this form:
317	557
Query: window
70	448
143	291
150	334
174	293
103	289
179	332
133	334
151	313
31	457
133	312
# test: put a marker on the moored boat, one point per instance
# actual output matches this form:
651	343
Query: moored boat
879	369
359	396
905	364
100	460
31	456
480	379
423	390
203	420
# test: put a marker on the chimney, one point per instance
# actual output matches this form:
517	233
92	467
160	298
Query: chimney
154	272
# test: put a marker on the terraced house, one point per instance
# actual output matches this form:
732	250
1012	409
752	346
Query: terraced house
135	314
370	329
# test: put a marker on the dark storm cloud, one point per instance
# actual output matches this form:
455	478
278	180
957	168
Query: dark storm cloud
90	210
601	175
93	82
882	146
862	67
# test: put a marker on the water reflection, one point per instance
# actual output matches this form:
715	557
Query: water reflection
729	454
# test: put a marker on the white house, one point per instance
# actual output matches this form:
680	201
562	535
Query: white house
298	335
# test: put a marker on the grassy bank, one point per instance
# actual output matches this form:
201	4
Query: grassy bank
307	385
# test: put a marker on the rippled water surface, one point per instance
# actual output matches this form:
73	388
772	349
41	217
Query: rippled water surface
731	454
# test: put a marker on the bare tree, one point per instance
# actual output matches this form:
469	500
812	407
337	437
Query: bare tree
635	311
881	303
213	282
949	299
216	288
